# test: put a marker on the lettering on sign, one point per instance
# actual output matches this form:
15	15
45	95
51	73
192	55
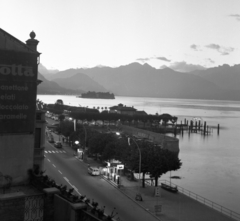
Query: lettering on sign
120	167
18	87
157	191
16	70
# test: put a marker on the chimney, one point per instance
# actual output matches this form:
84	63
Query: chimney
32	43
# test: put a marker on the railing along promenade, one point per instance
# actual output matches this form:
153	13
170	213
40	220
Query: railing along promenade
205	201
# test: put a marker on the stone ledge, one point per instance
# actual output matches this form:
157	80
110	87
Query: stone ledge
52	190
9	196
77	206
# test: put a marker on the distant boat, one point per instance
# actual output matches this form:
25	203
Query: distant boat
97	95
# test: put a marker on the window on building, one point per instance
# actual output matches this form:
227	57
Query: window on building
38	116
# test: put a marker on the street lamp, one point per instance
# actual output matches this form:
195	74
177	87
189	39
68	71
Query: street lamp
140	155
59	131
138	195
85	143
85	132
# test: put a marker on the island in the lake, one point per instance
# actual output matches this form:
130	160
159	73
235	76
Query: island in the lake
97	95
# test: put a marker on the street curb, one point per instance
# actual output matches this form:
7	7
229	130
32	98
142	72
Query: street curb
119	188
116	186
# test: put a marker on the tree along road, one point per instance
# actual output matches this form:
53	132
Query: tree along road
64	168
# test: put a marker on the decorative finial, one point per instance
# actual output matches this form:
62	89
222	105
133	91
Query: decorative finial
32	35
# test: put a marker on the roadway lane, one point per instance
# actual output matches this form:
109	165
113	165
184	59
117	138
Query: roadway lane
65	169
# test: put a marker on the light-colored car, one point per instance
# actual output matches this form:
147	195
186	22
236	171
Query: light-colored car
94	171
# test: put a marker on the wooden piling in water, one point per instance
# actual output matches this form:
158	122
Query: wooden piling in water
204	128
218	128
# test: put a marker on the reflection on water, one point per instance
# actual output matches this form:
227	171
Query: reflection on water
211	164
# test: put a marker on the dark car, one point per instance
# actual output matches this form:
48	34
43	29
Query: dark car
51	141
58	144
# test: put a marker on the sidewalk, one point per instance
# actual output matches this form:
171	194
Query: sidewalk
170	206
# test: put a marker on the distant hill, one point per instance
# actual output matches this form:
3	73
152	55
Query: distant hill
225	76
80	82
49	87
145	81
43	70
62	74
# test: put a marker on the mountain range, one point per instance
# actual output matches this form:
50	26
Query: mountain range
218	83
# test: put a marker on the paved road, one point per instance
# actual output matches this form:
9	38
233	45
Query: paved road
69	171
64	168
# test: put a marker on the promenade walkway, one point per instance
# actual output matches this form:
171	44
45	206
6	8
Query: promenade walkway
174	206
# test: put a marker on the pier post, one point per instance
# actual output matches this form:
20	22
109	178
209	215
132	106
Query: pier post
204	128
175	131
191	125
218	128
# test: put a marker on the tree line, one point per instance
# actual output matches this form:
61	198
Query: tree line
155	160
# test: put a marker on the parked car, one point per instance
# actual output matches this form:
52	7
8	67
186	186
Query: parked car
58	144
50	138
94	171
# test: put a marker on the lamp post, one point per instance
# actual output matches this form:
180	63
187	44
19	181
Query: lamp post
77	142
138	195
85	139
140	155
59	130
85	142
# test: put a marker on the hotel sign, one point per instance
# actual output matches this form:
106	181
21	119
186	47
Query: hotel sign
18	87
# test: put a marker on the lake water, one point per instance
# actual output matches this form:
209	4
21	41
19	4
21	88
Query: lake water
211	164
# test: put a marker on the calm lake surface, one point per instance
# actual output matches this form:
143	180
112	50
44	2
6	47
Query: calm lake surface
211	164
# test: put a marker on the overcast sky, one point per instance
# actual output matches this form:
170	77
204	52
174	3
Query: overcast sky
181	34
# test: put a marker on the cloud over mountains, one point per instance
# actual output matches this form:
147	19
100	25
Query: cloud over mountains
195	47
222	50
152	58
182	66
236	16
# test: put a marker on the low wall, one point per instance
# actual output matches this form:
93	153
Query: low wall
170	143
20	206
12	206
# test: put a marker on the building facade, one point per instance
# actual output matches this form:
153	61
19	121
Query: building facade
18	90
